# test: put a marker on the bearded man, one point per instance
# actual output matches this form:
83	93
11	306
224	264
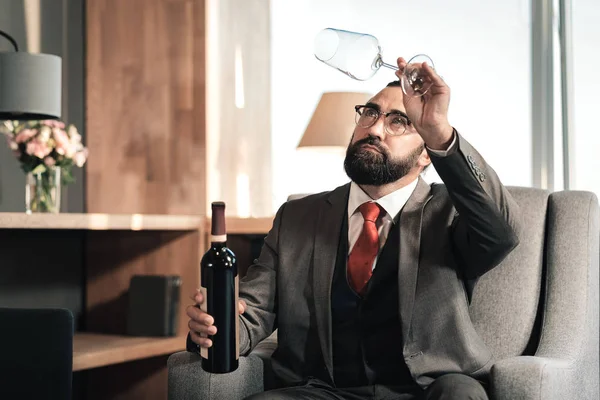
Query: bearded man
369	285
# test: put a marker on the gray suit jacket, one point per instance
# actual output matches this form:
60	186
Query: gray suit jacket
450	235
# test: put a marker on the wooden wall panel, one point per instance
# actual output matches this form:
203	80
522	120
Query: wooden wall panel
145	111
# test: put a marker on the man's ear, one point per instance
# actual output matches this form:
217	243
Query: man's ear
424	159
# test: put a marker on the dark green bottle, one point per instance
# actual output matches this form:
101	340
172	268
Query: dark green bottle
219	282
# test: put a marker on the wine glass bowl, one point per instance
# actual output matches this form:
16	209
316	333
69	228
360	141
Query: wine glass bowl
359	56
414	81
348	52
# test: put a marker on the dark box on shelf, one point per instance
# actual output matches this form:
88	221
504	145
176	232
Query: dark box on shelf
153	305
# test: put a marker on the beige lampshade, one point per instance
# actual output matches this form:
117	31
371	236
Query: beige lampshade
332	123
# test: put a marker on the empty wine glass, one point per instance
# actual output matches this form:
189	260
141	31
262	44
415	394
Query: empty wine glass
359	56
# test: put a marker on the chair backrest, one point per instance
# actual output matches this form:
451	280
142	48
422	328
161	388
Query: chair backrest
508	302
36	353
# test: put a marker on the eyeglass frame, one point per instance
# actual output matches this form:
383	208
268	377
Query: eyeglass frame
379	114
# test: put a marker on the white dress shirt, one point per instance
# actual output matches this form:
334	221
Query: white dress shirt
391	205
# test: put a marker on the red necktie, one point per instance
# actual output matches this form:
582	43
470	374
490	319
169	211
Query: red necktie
360	261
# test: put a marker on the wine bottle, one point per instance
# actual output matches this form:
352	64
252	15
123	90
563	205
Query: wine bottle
219	284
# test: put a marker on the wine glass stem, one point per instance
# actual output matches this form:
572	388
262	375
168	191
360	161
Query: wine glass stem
390	66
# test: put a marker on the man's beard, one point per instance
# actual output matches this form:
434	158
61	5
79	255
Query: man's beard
367	167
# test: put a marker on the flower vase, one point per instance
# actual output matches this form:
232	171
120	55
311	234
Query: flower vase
42	191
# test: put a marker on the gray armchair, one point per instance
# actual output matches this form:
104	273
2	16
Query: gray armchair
538	312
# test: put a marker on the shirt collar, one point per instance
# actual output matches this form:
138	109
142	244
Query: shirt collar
392	203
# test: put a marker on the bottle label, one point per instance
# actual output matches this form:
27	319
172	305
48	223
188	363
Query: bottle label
218	238
237	320
203	351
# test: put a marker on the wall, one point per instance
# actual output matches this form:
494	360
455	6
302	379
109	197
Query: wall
482	49
145	109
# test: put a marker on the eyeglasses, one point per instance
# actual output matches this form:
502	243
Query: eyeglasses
395	124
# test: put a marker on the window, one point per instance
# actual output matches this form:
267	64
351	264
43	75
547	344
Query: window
586	90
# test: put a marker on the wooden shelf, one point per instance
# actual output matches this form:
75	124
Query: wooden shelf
92	350
244	226
103	222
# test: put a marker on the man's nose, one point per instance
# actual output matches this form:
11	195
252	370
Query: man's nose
378	129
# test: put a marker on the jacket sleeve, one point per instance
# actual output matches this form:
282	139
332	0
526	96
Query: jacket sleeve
487	221
259	290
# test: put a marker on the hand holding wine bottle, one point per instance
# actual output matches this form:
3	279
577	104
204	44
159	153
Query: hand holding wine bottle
217	304
201	324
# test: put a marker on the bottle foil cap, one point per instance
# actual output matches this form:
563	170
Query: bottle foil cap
218	219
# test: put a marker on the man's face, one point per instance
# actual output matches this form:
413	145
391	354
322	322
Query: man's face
376	158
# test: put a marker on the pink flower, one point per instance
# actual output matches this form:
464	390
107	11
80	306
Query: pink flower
49	161
80	157
25	135
44	134
54	124
74	135
9	125
37	149
63	144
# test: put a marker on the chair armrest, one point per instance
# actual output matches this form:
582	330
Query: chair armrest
535	378
188	381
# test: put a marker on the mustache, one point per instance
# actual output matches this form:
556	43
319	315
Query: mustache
370	140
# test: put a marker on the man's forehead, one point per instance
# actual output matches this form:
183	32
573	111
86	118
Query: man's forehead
390	98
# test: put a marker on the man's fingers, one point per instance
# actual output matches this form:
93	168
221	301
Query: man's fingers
193	312
202	328
432	75
401	64
198	315
199	340
197	296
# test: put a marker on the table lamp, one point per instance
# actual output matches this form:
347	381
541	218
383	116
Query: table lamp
30	84
323	146
332	123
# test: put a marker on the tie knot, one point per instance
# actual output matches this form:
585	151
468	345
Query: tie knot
370	211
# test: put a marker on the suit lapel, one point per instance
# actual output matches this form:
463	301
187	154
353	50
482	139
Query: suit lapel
331	215
411	219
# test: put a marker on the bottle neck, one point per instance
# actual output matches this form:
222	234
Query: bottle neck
218	240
